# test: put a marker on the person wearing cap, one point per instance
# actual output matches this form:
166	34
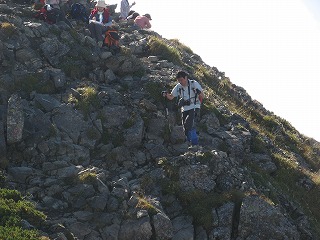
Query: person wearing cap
190	95
143	21
99	21
125	8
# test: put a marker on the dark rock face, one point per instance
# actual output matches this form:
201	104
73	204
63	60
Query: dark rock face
85	133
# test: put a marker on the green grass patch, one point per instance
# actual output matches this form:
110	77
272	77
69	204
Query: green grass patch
258	145
7	30
33	82
181	46
73	67
88	99
154	89
17	233
199	204
159	47
88	177
146	203
14	209
208	107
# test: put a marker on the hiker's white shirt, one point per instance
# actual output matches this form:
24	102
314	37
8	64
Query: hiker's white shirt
100	17
184	93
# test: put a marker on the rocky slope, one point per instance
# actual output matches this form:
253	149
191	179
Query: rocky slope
84	134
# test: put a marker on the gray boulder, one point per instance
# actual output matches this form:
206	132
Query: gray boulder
15	119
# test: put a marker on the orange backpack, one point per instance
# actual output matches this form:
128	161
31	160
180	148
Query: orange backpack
111	40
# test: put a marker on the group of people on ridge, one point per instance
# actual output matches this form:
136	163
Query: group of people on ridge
126	13
100	19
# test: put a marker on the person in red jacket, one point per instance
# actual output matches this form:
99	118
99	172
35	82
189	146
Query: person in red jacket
99	21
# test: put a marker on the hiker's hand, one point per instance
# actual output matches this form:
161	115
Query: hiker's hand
164	93
198	91
134	3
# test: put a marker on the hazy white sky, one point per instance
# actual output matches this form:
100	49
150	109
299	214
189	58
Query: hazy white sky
269	47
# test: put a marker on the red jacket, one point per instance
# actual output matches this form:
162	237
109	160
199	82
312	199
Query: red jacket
106	15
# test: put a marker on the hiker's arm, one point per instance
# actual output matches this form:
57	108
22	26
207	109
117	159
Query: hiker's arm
201	95
167	95
147	24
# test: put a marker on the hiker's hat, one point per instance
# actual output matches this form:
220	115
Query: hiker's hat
101	4
148	16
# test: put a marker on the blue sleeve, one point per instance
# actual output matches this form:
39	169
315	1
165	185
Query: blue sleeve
197	86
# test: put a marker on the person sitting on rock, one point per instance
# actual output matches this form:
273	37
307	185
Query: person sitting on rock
142	22
53	3
132	15
99	21
52	14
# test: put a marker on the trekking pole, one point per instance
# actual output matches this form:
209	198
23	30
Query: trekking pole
166	109
193	132
167	113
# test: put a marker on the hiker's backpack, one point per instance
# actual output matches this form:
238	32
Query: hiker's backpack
79	12
48	14
111	41
53	16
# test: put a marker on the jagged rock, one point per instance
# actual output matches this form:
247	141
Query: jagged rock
53	50
79	229
139	157
83	215
88	170
264	161
21	174
58	77
183	228
157	150
133	136
28	57
68	172
222	218
93	235
156	127
98	203
46	102
109	76
64	118
177	135
114	116
162	226
111	232
119	155
196	177
257	220
15	120
135	229
201	234
3	147
37	126
211	121
53	203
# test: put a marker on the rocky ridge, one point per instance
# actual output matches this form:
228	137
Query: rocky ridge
84	134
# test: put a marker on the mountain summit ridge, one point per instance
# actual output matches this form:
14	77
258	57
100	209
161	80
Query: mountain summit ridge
85	136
